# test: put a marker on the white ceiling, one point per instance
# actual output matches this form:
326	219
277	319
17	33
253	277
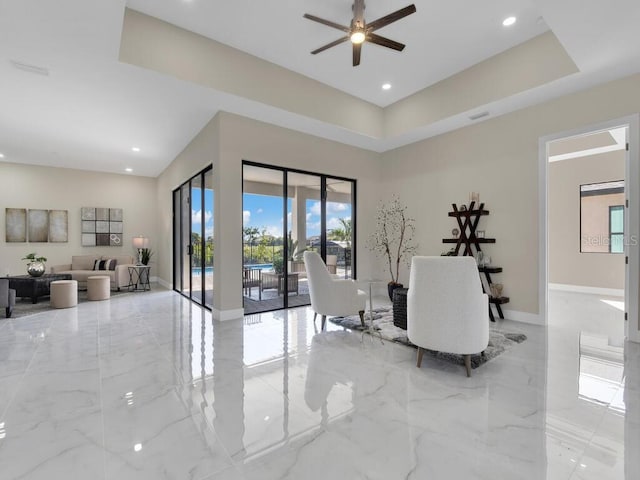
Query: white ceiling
91	109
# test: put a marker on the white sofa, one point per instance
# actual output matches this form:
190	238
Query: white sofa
82	267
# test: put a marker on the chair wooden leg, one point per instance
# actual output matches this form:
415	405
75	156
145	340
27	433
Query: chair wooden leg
467	364
324	322
420	354
361	313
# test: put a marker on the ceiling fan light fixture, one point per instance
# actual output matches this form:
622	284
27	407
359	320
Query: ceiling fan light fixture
357	37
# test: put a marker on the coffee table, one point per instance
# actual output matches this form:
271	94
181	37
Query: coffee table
34	287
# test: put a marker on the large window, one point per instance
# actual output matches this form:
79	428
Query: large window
286	212
602	217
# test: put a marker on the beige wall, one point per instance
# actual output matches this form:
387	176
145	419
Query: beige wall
196	156
28	186
499	159
567	265
228	140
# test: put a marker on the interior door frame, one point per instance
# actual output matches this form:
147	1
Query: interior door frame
632	218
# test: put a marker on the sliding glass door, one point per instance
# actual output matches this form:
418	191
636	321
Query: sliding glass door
286	212
193	238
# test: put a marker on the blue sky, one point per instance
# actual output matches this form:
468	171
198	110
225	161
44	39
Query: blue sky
196	212
265	211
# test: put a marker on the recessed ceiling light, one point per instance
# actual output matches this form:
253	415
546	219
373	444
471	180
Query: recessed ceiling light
135	149
386	86
1	155
128	169
507	22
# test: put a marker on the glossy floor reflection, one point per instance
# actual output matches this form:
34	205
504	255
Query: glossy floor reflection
149	387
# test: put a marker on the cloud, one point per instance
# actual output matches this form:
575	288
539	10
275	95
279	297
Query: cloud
274	230
259	210
246	216
333	223
196	216
332	208
309	215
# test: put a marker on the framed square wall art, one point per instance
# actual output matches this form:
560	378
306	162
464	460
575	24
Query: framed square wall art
101	226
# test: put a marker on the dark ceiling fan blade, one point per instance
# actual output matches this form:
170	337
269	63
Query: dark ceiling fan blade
329	45
358	11
327	23
385	42
392	17
357	48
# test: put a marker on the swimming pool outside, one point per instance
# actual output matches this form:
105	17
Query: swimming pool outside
197	271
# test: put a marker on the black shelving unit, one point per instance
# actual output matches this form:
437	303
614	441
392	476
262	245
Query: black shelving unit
468	219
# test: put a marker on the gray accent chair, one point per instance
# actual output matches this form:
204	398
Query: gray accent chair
7	297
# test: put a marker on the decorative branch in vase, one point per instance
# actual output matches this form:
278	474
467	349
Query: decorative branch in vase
393	239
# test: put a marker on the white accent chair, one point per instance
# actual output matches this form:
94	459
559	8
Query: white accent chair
447	310
329	295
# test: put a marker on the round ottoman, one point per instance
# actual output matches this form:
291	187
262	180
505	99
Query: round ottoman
63	293
98	287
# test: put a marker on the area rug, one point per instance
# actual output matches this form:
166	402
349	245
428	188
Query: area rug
24	307
499	340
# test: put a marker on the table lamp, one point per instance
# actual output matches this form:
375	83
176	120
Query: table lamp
140	242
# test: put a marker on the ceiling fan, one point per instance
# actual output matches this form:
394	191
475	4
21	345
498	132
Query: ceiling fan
359	31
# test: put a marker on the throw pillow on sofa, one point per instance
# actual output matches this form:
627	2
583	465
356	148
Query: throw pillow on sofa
109	264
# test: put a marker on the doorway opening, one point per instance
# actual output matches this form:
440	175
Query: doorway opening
285	213
193	251
588	229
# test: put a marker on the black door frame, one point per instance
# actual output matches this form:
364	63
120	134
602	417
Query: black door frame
323	211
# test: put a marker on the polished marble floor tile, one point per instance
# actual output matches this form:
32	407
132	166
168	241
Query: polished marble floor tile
148	386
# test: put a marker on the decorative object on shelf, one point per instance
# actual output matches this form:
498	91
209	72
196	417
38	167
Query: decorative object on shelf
393	239
102	226
15	225
474	197
496	290
468	243
140	243
35	264
455	232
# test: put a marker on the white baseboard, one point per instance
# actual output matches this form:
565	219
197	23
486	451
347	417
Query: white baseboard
612	292
224	315
162	282
524	317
